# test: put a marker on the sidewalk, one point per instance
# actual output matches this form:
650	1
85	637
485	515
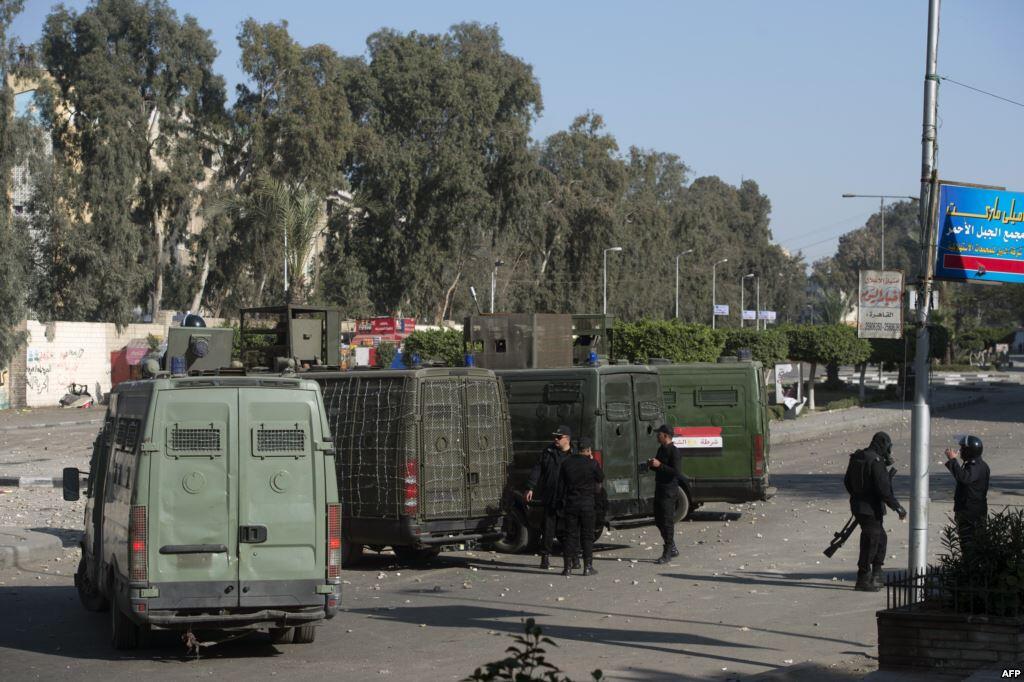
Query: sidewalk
870	417
49	417
20	546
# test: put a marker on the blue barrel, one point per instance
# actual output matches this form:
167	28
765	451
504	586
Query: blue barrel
470	360
177	365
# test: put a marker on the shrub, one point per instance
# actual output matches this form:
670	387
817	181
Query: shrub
985	576
435	345
386	353
671	339
525	661
768	347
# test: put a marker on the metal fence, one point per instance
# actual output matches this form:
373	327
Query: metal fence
938	589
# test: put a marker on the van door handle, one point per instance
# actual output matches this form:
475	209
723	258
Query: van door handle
193	549
252	534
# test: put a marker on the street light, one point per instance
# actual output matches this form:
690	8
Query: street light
683	253
742	292
614	248
881	209
494	281
713	281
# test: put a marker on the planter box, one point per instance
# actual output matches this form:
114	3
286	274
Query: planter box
947	642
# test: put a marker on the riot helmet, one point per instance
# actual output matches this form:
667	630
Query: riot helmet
882	444
970	447
193	320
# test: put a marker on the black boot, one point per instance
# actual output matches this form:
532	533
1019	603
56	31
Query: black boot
878	577
545	562
673	552
588	568
864	583
575	562
566	566
666	556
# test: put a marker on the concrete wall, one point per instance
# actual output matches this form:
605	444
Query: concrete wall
61	353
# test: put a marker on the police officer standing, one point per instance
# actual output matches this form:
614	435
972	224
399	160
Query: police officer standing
667	468
970	499
577	484
543	483
870	488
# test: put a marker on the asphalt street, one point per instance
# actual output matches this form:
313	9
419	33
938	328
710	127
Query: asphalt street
751	592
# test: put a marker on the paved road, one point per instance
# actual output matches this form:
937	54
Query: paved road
751	593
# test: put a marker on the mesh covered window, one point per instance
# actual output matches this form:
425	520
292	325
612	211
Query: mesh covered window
618	412
280	440
195	439
717	396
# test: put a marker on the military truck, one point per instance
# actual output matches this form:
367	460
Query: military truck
211	505
619	406
719	412
422	457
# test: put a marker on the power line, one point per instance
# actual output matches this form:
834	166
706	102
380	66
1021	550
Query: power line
984	92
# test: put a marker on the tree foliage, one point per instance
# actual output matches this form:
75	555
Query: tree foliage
645	339
768	346
435	345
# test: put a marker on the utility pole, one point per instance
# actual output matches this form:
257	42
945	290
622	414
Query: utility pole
494	281
920	414
714	278
757	304
677	278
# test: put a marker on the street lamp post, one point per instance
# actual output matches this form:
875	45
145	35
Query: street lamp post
810	307
604	308
494	280
881	209
743	281
757	303
683	253
713	282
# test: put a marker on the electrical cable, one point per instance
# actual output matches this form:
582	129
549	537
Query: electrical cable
984	92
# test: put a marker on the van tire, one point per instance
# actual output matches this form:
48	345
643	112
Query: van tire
124	634
351	553
282	635
682	505
92	599
515	535
304	634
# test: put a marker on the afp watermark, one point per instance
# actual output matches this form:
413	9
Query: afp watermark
1011	672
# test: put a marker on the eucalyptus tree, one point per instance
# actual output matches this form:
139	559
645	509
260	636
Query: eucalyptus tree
132	102
13	283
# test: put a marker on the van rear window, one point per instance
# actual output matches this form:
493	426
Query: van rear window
195	440
717	396
280	439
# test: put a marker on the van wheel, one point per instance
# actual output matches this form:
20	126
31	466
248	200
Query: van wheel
414	555
92	599
515	535
682	505
282	635
351	553
124	633
305	634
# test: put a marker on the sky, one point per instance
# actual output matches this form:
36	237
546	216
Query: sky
810	99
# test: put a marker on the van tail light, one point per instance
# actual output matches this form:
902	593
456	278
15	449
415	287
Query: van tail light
758	455
138	562
599	458
333	541
412	488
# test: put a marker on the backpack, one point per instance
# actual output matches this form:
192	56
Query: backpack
858	473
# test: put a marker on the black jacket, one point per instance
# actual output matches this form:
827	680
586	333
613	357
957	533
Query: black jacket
577	482
543	479
668	475
874	490
971	495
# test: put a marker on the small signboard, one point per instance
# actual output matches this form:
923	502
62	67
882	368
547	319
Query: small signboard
880	305
749	314
980	234
767	315
721	310
697	437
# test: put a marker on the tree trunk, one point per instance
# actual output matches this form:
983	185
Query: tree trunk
832	376
158	284
203	276
810	386
863	371
448	298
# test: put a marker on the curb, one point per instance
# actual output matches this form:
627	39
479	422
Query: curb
19	547
812	431
31	482
51	425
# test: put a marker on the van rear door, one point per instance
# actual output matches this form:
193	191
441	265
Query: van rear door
193	498
443	473
281	513
649	415
487	445
618	438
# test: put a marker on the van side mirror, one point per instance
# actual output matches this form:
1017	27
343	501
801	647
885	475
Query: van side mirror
72	484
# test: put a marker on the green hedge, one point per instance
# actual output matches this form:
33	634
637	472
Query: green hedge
435	345
671	339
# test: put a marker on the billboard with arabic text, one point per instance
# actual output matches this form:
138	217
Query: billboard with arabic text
980	235
880	304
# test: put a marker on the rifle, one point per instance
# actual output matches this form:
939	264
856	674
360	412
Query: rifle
840	538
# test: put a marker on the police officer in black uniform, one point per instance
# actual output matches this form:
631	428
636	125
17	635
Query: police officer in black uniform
870	486
667	468
543	483
970	499
577	484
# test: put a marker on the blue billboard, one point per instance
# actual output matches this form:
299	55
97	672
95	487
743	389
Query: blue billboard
980	235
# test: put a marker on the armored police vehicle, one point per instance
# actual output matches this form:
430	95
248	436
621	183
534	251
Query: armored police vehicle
212	505
422	457
719	412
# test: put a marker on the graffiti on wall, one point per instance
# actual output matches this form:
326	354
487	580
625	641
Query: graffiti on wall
45	368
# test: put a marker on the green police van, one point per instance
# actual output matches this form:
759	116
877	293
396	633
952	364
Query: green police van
719	413
212	505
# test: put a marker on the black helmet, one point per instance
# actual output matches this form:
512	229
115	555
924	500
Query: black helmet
193	320
970	447
882	444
